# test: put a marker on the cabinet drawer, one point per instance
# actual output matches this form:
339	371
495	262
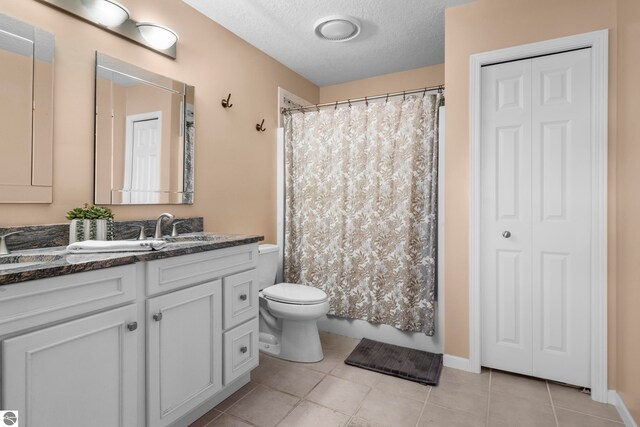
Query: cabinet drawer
240	298
37	302
240	350
172	273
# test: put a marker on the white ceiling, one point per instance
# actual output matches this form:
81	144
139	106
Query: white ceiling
396	35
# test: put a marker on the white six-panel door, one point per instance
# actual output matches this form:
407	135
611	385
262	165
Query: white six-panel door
535	216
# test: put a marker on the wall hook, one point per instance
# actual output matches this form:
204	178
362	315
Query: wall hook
260	127
225	102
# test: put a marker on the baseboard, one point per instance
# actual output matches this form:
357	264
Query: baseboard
457	362
616	400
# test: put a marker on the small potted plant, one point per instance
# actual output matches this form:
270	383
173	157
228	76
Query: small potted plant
90	223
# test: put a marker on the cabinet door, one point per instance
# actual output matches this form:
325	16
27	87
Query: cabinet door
184	351
80	373
240	298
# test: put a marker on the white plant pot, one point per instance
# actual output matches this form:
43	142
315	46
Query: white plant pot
100	233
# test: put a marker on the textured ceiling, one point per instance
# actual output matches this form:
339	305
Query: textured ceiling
396	35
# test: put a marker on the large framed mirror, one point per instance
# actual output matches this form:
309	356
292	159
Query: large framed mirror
144	136
26	112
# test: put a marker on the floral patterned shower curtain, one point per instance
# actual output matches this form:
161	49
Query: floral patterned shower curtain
361	208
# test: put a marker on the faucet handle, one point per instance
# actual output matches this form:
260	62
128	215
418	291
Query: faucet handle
4	250
174	231
142	235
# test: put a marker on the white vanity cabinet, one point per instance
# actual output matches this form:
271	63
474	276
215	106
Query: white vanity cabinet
155	344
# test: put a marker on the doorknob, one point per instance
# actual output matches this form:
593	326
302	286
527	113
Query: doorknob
157	317
132	326
506	234
243	349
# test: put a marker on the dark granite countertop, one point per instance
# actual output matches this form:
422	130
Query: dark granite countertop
56	261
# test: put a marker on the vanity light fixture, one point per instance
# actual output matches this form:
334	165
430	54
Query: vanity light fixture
337	28
107	12
157	36
112	16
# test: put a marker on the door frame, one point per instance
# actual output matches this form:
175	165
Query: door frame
598	42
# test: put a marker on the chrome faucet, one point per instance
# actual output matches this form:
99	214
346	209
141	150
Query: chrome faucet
158	234
4	250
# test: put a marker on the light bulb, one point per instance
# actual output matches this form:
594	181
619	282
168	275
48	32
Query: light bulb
107	12
157	36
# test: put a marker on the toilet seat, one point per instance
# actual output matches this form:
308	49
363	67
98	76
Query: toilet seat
291	293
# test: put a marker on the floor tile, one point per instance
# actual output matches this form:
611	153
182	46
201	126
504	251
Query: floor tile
294	380
357	375
360	422
458	397
477	383
337	345
507	409
226	420
267	368
206	418
326	365
264	407
242	392
308	414
389	410
520	385
572	398
568	418
437	416
403	388
339	394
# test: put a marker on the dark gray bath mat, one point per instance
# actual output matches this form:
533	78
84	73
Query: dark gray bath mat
413	365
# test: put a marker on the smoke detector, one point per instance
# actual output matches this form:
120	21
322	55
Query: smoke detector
337	28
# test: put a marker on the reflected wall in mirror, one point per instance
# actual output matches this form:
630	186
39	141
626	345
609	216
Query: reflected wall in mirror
26	112
144	136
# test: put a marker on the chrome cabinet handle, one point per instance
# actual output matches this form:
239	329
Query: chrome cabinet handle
243	349
243	297
506	234
132	326
157	317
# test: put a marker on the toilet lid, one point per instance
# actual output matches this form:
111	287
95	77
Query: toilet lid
294	294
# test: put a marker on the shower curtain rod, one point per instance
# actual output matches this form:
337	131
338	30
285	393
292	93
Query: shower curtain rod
439	88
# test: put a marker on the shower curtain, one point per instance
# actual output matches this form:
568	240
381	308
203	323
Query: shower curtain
361	208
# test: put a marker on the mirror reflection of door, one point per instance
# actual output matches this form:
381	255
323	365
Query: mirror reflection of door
142	158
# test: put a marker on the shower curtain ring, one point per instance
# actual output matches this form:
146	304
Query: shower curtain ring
317	108
386	99
366	101
404	95
336	107
349	102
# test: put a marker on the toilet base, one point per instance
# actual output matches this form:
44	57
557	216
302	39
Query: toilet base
299	341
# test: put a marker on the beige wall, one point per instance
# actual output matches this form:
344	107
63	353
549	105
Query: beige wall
235	165
483	26
386	83
628	206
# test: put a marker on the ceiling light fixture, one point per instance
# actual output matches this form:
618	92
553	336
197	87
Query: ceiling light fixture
337	28
157	36
107	12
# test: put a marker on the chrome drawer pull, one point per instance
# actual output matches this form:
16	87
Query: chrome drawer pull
157	317
243	349
132	326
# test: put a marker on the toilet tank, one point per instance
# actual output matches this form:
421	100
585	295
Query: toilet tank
267	265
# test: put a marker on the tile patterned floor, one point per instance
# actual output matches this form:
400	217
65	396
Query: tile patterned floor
330	393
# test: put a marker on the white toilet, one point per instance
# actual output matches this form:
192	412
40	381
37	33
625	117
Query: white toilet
288	313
